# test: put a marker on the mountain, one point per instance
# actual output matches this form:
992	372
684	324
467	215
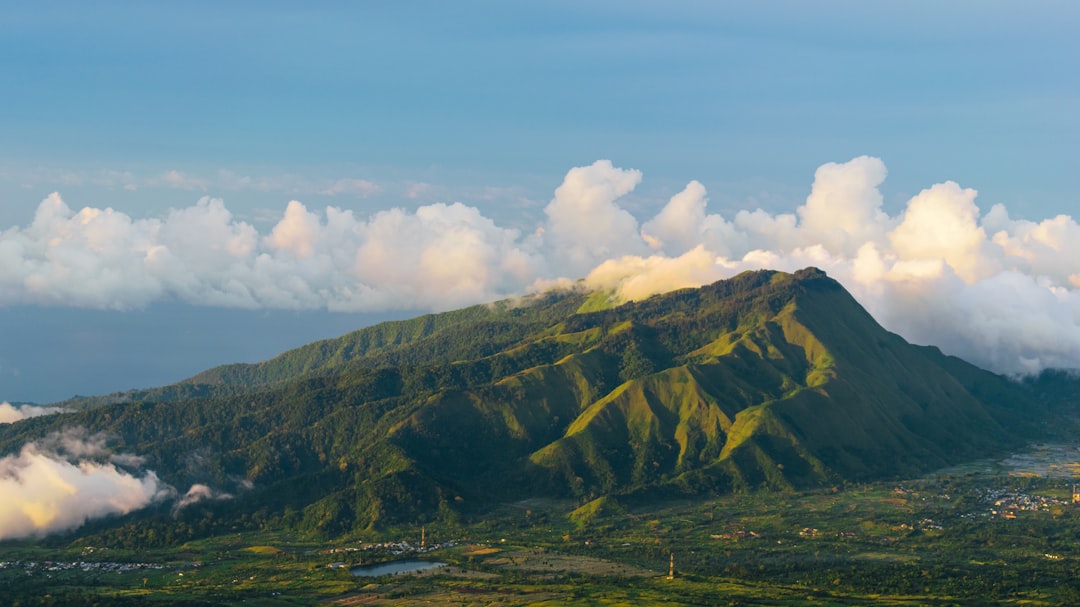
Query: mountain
766	380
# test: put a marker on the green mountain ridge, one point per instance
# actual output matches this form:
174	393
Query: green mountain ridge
767	380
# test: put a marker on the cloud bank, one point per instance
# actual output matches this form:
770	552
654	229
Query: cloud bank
1001	292
60	482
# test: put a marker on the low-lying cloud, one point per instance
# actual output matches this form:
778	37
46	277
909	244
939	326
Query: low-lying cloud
198	493
1001	292
68	478
10	413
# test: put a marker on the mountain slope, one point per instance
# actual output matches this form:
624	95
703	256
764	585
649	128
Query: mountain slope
812	391
765	380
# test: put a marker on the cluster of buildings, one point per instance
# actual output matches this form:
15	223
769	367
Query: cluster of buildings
397	548
1005	503
741	534
47	567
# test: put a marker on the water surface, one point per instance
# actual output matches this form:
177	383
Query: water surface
395	567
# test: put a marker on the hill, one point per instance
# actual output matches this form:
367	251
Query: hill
766	380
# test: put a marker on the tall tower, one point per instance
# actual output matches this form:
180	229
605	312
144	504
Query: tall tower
671	567
422	536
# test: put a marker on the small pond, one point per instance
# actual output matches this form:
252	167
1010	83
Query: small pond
395	567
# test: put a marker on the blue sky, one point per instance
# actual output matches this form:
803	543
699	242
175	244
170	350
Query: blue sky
364	106
511	96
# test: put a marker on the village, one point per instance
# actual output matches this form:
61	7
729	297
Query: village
1005	504
396	548
48	567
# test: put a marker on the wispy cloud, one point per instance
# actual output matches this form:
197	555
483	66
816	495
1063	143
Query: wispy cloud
354	187
199	493
222	180
418	189
177	180
998	291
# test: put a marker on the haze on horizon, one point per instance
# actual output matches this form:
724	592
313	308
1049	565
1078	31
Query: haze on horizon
188	185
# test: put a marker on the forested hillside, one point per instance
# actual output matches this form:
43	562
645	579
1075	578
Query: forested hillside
766	380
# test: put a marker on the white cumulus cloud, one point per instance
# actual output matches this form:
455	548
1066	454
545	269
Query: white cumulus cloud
585	224
1001	293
